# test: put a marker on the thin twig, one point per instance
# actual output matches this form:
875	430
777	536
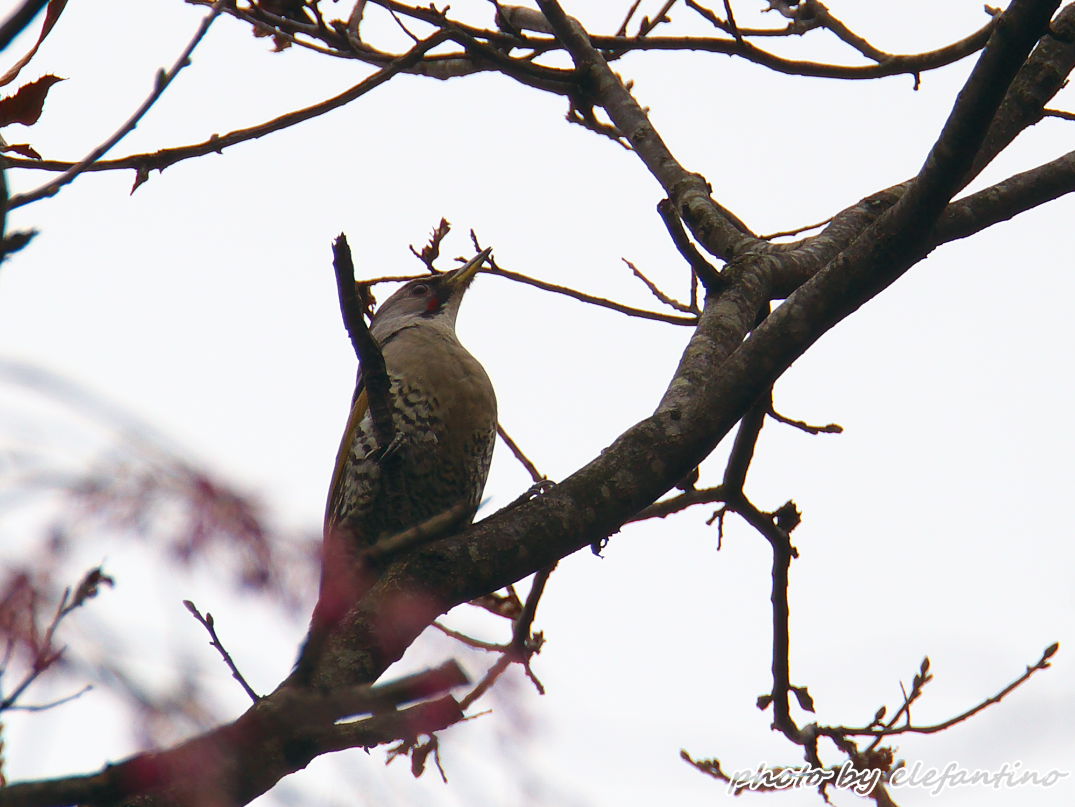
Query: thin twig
163	79
1058	113
831	428
531	469
269	23
656	292
679	503
403	27
421	533
622	30
912	63
591	299
733	28
845	34
795	231
208	624
470	641
42	707
1040	664
918	686
354	25
487	681
494	269
45	655
662	16
163	158
523	645
701	268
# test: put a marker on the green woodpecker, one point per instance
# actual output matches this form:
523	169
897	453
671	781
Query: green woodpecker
444	414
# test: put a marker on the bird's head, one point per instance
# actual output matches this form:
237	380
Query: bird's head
436	297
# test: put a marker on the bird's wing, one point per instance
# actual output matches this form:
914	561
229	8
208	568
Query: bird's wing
359	407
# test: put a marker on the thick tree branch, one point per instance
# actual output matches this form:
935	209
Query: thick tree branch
1007	199
1043	76
235	763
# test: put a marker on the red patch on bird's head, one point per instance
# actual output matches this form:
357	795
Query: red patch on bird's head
438	293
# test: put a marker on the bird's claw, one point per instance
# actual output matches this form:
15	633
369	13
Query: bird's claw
539	488
380	455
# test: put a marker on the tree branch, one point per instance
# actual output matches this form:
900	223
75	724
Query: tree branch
715	227
163	79
159	160
375	379
233	764
19	19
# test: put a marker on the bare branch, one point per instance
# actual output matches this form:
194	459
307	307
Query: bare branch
912	64
237	762
622	30
891	729
825	18
656	292
159	160
44	707
676	504
421	533
783	553
746	440
591	299
45	653
522	646
531	469
21	18
648	25
208	623
163	79
831	428
701	269
469	641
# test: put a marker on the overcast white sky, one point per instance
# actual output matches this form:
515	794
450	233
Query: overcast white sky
936	524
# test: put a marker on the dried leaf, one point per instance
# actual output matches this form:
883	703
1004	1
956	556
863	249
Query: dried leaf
25	106
90	585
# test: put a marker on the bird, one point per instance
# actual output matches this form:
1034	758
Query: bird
433	473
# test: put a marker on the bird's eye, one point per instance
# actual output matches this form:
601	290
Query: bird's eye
421	290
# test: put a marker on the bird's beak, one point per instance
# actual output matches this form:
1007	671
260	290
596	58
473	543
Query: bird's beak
464	274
